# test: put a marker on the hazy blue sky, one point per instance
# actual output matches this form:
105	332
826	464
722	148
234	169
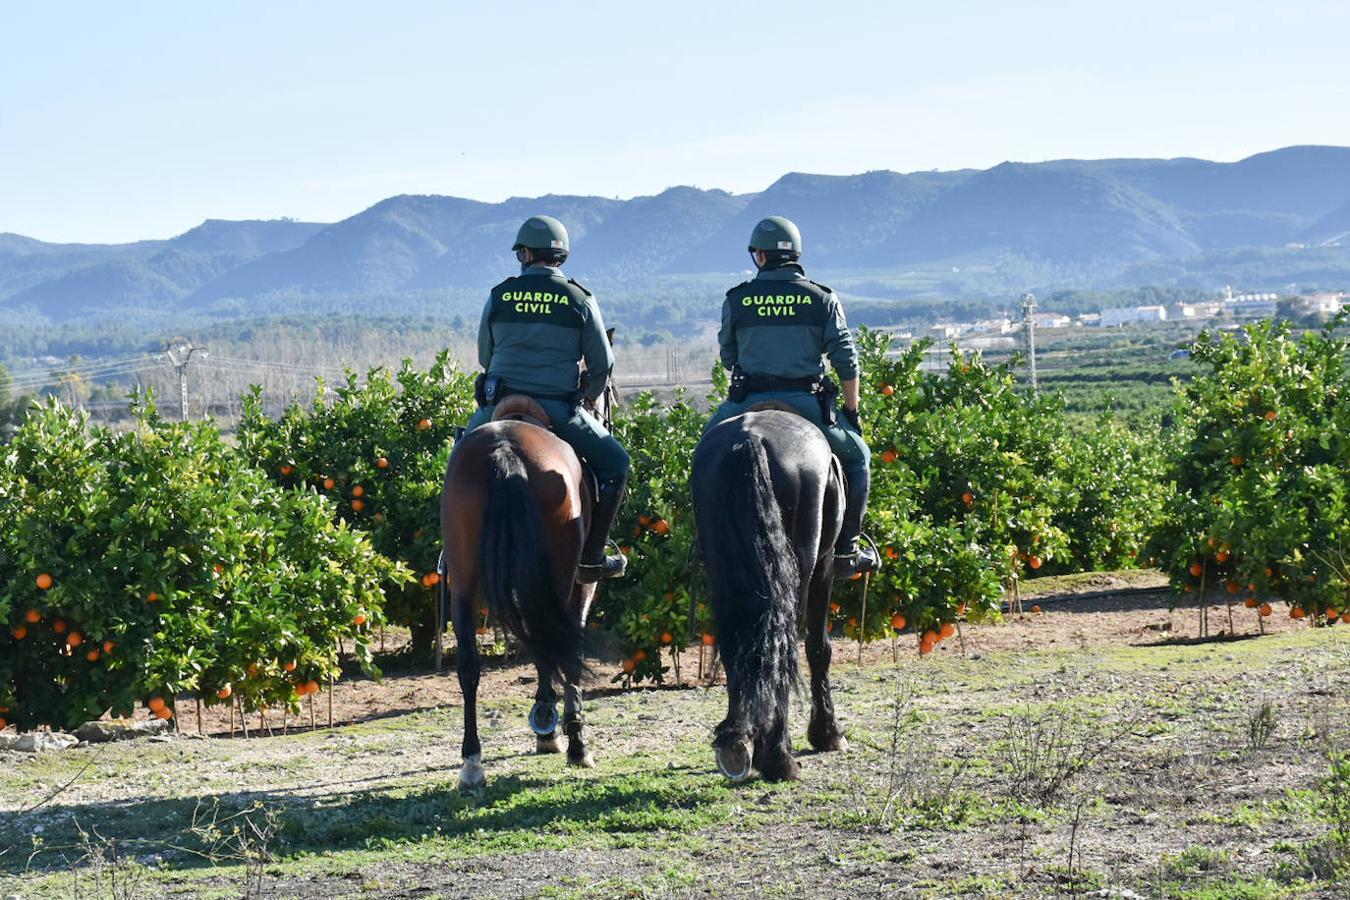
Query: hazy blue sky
121	121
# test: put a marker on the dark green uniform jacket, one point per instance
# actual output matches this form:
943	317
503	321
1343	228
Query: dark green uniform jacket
536	327
780	323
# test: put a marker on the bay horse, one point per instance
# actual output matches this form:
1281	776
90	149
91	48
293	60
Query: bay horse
514	512
769	503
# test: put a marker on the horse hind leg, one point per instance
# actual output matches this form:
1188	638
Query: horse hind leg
471	774
773	752
544	714
574	724
823	733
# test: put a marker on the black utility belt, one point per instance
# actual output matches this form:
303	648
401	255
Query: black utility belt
822	387
762	384
489	389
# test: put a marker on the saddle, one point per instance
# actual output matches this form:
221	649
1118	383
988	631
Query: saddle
522	408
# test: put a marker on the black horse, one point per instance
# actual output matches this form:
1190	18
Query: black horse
768	500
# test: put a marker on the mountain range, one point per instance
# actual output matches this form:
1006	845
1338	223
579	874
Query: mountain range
1096	223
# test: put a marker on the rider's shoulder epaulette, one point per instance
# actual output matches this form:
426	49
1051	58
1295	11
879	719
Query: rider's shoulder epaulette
824	287
581	287
730	291
502	284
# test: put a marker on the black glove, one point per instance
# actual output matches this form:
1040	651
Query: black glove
851	416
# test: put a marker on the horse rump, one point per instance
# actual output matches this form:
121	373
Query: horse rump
514	569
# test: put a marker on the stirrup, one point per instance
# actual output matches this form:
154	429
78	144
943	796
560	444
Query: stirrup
859	561
612	567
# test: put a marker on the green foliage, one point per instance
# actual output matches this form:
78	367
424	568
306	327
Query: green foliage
1262	472
157	562
378	450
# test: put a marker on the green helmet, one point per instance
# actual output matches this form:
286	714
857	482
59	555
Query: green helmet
776	235
542	233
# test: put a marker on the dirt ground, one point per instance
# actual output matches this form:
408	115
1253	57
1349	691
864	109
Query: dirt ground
1100	609
1092	749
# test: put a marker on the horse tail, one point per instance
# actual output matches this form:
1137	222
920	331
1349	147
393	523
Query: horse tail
514	569
753	572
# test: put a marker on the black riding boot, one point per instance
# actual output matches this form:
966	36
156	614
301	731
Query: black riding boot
595	565
849	558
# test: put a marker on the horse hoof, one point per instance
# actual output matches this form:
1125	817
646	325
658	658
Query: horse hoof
471	775
543	719
734	762
547	743
583	761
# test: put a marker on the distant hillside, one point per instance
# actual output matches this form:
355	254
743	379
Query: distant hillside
964	234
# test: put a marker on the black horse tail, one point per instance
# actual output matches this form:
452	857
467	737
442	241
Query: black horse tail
514	568
753	572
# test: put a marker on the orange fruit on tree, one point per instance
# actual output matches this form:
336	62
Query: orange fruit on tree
218	568
44	581
1196	570
1036	609
1237	459
1265	609
931	636
59	626
887	390
1232	587
661	526
1333	615
961	610
74	639
947	630
834	607
329	484
1034	562
1222	556
1271	415
629	665
1296	612
889	455
359	619
898	622
156	704
289	667
925	647
667	637
381	462
644	520
286	470
1250	603
92	656
108	646
20	632
164	713
32	617
225	692
358	505
424	425
968	498
640	655
358	491
892	553
151	597
852	621
311	687
708	639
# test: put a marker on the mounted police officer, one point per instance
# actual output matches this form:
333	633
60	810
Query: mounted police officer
775	330
537	329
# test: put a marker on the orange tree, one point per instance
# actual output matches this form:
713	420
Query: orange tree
977	483
648	610
140	566
1262	471
378	450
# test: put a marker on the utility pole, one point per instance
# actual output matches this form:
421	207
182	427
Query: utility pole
179	350
1029	327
